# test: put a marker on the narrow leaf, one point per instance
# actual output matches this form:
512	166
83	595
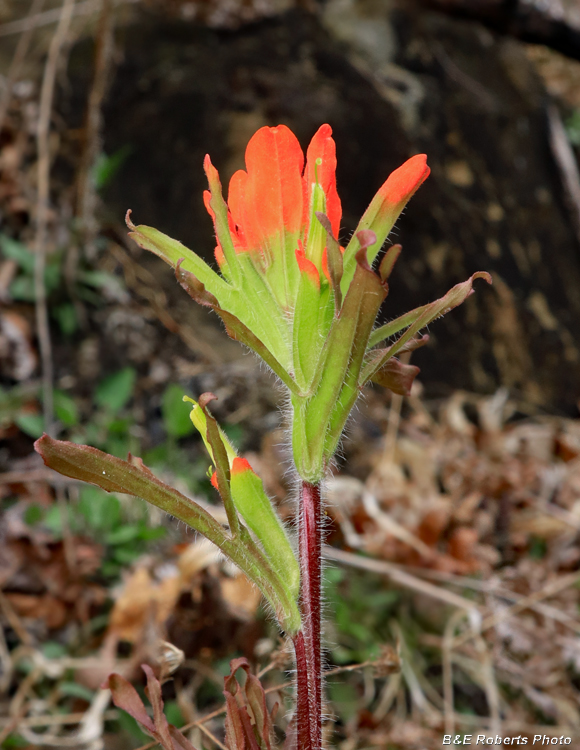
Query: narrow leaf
222	464
235	734
384	210
153	692
388	262
114	475
306	338
396	376
234	327
340	363
179	741
256	509
172	251
453	298
334	256
127	699
219	209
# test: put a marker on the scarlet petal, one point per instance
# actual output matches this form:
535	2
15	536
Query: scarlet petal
322	147
307	267
214	481
237	193
405	180
240	465
209	169
219	255
207	203
272	194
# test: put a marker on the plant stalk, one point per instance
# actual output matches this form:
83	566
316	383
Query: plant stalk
307	643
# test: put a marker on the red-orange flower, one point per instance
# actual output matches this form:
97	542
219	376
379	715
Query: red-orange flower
272	206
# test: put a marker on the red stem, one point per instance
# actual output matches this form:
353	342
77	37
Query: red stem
307	642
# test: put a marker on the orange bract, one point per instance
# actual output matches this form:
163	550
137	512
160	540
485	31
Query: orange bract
405	180
272	203
322	147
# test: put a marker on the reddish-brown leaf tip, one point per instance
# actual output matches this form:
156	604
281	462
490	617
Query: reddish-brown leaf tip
206	398
128	221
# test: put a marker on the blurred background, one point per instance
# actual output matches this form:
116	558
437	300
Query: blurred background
453	516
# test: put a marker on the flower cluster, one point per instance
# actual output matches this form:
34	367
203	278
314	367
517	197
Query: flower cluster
289	291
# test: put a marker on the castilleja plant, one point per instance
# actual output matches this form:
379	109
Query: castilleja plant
308	307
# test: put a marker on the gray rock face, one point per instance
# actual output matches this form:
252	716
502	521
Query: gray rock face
452	89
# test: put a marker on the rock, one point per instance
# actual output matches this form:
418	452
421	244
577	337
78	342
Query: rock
468	98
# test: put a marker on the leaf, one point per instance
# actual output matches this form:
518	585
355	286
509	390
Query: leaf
127	699
248	723
388	262
221	461
17	251
384	211
153	692
234	327
307	341
175	413
334	259
324	414
172	251
101	510
396	376
256	509
390	329
115	475
65	408
106	167
31	424
453	298
114	392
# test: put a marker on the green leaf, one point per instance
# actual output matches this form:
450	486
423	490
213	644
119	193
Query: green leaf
15	250
334	253
14	741
101	511
454	297
134	478
22	289
115	391
125	555
109	283
66	317
53	650
33	514
321	418
307	339
31	424
172	251
174	715
74	690
106	167
234	326
256	509
65	409
175	412
123	534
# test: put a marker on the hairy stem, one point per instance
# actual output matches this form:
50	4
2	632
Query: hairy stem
307	642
